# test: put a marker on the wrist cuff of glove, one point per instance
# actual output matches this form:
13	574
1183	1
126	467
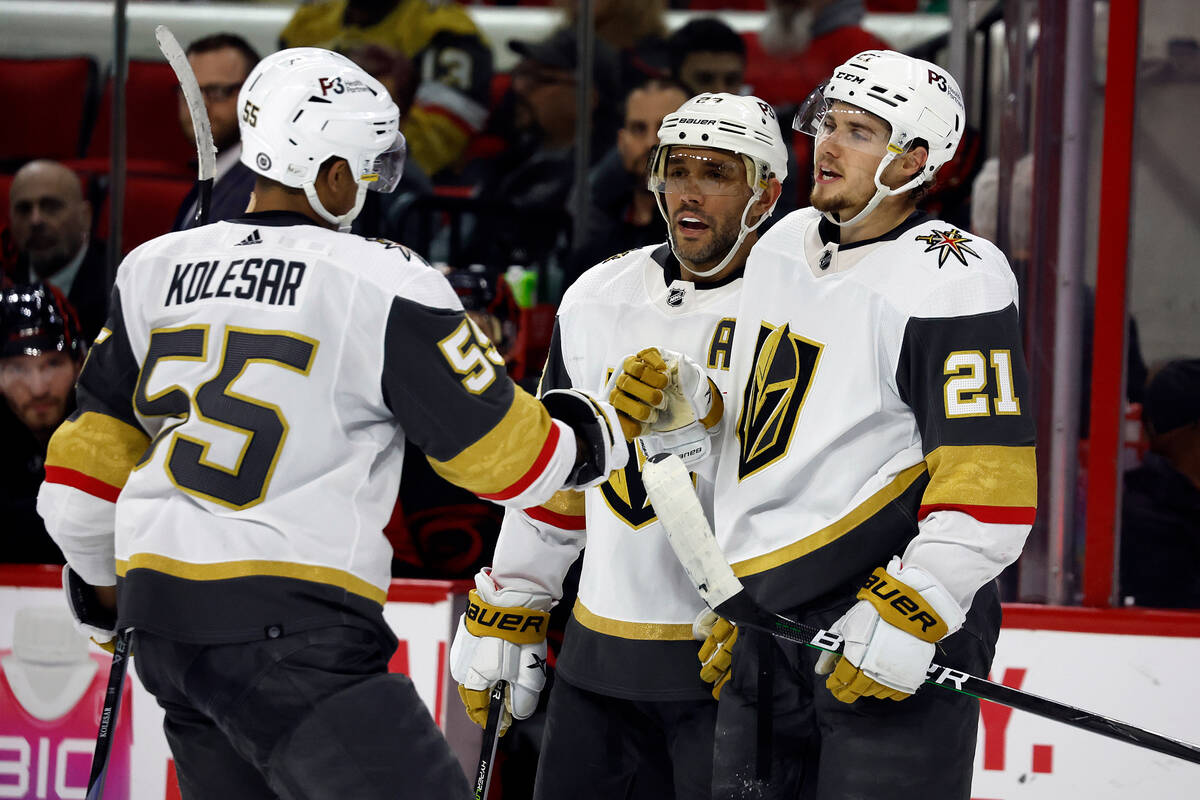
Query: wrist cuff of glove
85	604
590	423
911	599
511	623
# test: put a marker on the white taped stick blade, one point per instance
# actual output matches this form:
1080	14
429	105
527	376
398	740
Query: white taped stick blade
670	488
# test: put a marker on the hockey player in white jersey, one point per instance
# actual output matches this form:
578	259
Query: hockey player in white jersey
237	451
629	714
879	471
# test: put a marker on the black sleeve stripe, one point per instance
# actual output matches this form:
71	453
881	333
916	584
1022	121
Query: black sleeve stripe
966	381
110	375
442	408
555	376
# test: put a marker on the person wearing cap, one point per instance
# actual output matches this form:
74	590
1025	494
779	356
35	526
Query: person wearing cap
1160	512
41	352
632	712
531	178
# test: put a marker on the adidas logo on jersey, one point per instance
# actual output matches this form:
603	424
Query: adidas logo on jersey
253	238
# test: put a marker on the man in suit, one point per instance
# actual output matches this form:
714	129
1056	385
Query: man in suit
221	63
50	222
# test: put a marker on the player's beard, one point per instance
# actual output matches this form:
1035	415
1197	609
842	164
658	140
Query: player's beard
704	255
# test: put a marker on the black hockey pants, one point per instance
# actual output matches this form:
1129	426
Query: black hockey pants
920	748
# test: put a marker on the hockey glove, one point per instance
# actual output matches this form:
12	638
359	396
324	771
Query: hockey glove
92	618
889	634
596	429
668	401
501	637
716	654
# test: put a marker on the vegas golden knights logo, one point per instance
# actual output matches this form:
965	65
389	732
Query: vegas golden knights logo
625	494
784	365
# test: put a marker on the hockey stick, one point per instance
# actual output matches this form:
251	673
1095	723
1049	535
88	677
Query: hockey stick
205	149
108	717
487	750
691	537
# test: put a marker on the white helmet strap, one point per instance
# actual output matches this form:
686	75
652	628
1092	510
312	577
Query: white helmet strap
345	220
882	190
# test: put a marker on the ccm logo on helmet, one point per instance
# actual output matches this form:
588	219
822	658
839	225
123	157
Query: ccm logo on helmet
846	76
504	621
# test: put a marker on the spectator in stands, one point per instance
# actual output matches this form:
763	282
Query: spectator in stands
442	43
51	223
531	179
801	44
1160	530
221	63
41	352
707	55
622	213
635	29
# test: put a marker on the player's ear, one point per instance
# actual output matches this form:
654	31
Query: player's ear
913	161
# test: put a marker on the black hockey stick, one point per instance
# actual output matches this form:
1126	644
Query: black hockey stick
108	717
205	149
670	488
487	750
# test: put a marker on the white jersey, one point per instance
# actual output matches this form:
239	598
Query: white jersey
630	632
241	427
882	408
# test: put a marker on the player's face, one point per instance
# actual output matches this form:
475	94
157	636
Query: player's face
220	74
706	193
38	388
848	148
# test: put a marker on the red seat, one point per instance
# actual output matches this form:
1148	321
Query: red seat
5	187
154	140
49	102
151	203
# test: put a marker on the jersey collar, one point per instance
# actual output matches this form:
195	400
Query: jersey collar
274	219
832	233
666	259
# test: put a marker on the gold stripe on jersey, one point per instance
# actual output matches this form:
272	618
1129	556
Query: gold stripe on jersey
981	475
503	455
224	570
567	502
830	533
659	631
99	446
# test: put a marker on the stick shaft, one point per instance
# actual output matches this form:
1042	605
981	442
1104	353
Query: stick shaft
108	717
691	537
205	148
487	748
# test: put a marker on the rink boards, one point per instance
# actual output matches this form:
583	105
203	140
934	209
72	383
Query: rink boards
1135	666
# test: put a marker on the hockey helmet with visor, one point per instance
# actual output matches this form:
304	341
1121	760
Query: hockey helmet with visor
920	102
744	126
303	106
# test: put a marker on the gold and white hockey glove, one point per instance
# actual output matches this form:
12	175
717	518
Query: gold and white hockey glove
668	402
889	634
501	637
716	654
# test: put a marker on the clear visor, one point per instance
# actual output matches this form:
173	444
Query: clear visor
714	174
383	173
841	124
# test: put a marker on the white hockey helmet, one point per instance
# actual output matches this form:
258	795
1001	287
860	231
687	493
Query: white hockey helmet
302	106
746	126
918	99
